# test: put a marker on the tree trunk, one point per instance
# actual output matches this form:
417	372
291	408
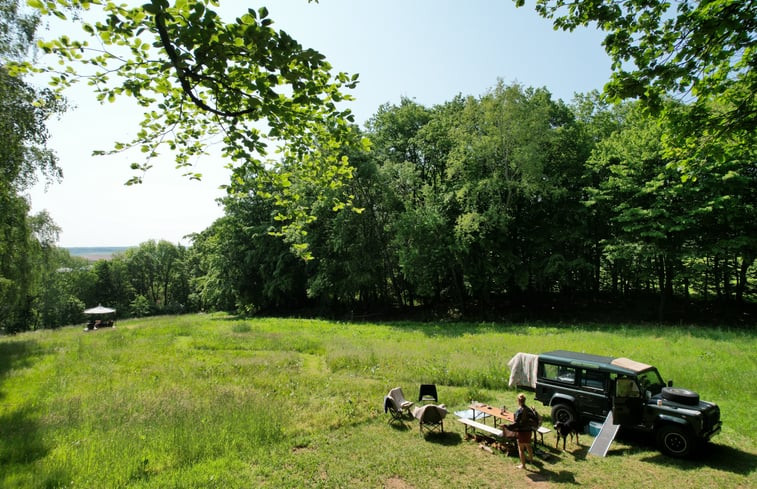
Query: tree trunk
459	287
614	278
663	306
665	276
726	280
706	279
661	273
716	276
746	262
669	270
597	258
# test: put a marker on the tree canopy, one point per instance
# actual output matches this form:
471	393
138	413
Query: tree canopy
702	51
24	158
200	78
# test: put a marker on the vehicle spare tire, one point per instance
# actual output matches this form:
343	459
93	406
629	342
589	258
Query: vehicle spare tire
681	396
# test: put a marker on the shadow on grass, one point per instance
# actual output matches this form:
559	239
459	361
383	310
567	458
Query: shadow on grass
551	454
446	439
405	422
452	328
56	478
22	443
579	452
716	456
229	317
399	425
719	457
547	454
22	447
543	474
14	355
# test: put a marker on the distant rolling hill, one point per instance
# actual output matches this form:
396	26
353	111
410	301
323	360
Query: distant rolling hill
95	253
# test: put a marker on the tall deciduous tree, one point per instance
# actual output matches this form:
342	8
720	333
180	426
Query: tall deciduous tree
245	267
23	158
199	77
155	272
496	165
352	266
704	54
647	204
111	284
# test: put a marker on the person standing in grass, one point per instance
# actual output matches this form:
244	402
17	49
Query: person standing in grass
523	426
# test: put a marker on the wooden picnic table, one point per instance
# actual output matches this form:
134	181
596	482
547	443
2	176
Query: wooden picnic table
501	434
501	417
498	415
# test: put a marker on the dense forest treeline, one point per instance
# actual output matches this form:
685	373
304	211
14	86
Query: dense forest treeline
510	197
506	205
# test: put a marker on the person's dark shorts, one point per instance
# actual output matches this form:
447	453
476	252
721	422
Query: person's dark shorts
524	437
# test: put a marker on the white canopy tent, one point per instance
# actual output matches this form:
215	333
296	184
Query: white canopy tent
98	323
100	309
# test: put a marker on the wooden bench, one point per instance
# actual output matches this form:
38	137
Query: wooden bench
475	425
504	441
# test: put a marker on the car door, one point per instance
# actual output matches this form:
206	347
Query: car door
594	398
627	402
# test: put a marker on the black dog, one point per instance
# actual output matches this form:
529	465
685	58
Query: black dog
565	430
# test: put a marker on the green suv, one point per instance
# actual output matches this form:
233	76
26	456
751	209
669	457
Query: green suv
581	387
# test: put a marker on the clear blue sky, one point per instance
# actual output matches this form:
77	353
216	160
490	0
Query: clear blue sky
428	50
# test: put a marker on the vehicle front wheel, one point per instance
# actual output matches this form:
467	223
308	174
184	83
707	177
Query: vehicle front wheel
675	441
563	413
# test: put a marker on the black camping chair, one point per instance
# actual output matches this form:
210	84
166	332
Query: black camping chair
428	393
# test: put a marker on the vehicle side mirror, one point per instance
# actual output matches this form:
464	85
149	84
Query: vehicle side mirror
670	383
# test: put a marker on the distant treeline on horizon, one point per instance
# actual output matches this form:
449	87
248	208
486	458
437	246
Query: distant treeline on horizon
95	253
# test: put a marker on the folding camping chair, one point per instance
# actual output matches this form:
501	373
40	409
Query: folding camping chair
396	404
431	417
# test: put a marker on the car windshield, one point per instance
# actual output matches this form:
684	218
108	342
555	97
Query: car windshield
651	381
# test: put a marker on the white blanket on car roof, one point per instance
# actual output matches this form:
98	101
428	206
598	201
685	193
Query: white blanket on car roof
523	369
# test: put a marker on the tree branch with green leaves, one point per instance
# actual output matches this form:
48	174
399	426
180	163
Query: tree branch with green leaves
700	51
200	79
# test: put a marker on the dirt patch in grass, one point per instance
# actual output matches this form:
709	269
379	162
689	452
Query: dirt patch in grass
396	483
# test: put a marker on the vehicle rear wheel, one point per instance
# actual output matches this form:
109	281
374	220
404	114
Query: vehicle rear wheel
675	441
563	413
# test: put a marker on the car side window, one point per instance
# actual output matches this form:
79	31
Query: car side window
559	373
625	387
593	379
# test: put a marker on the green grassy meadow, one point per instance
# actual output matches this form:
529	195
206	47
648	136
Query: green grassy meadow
204	401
